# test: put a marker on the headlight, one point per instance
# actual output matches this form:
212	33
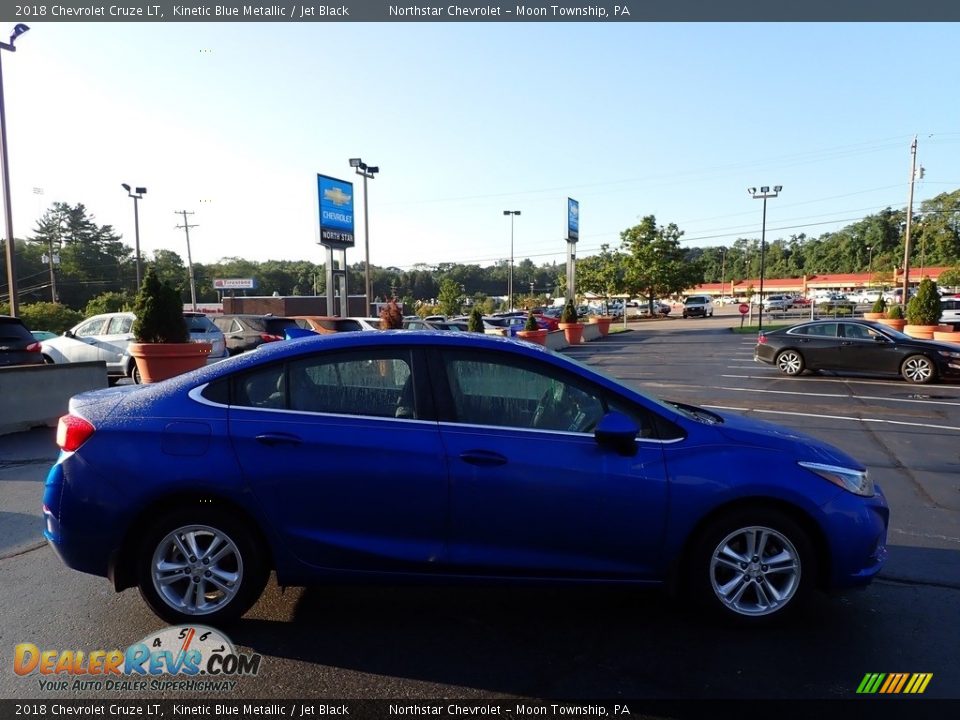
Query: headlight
950	354
855	481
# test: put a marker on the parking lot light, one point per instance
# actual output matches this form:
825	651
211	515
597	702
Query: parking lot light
763	195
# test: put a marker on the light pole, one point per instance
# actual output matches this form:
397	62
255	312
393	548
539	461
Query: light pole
723	270
869	265
511	213
763	195
136	194
18	30
186	229
367	172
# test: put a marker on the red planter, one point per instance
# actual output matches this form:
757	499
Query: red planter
159	361
603	321
573	332
895	324
921	332
538	337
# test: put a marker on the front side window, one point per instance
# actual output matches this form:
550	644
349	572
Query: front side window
96	326
859	332
495	391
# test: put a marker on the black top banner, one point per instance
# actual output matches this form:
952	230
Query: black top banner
419	11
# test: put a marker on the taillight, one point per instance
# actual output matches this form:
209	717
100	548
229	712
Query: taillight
267	337
33	347
72	432
762	340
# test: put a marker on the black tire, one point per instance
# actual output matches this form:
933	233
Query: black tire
684	316
750	591
135	375
790	362
242	562
918	370
47	360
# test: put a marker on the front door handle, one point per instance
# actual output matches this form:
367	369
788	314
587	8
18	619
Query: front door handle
484	458
273	439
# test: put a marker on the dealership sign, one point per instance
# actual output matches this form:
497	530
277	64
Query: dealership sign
336	212
235	284
573	220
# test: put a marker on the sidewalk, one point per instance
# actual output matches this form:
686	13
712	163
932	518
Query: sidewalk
25	458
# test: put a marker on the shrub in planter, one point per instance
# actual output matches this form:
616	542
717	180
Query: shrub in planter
880	306
894	318
162	346
572	329
923	311
532	332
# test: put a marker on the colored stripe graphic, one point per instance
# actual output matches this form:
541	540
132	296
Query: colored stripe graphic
894	683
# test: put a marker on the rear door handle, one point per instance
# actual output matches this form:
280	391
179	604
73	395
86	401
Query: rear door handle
273	439
484	458
846	342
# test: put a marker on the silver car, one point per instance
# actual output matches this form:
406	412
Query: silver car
106	337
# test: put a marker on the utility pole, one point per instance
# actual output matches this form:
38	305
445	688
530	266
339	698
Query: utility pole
186	228
906	237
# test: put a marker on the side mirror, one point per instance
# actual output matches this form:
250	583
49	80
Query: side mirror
617	432
880	339
68	333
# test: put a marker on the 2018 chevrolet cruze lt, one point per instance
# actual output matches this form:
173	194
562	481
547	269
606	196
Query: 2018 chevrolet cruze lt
424	455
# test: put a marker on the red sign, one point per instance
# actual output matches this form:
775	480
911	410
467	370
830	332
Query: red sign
744	308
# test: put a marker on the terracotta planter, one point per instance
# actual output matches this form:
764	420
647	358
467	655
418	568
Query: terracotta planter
160	361
950	336
896	324
603	321
538	337
874	316
573	332
920	332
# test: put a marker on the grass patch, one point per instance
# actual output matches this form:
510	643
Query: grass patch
753	329
619	328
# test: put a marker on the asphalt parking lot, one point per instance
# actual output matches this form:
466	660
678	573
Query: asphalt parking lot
497	642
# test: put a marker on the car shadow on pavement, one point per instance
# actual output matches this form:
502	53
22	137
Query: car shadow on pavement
575	643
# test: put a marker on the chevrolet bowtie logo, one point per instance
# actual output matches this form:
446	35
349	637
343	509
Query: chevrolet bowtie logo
337	196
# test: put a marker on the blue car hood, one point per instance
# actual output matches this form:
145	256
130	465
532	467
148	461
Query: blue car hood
744	430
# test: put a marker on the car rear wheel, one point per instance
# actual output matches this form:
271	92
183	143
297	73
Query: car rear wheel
200	563
918	369
135	375
753	566
790	362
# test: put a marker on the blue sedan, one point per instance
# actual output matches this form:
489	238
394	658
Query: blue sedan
427	455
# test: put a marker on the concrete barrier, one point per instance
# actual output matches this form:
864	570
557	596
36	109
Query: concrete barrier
37	395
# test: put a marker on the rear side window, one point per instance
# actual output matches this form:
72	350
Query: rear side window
13	329
825	330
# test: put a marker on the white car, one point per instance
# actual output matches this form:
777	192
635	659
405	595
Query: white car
777	303
725	300
106	337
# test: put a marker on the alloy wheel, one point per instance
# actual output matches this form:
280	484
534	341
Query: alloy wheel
197	569
755	571
790	362
918	369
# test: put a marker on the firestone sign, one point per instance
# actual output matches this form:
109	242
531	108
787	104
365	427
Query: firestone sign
235	284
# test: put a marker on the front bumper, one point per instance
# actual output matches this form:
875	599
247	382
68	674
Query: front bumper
856	532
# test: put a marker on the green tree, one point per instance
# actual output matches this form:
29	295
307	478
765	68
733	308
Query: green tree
924	307
49	316
450	297
603	274
655	264
109	302
475	324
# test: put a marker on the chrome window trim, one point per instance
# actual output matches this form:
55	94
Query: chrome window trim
196	395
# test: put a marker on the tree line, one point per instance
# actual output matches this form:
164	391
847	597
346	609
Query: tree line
650	260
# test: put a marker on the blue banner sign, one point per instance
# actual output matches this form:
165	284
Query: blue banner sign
336	212
573	220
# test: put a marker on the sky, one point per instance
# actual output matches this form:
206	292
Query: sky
234	121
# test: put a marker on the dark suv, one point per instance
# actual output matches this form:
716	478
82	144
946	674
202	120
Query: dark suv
17	345
245	332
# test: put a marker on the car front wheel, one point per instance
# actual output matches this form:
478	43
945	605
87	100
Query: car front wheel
200	563
790	362
753	566
918	369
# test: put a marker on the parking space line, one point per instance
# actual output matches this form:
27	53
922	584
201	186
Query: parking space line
840	395
834	417
889	383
